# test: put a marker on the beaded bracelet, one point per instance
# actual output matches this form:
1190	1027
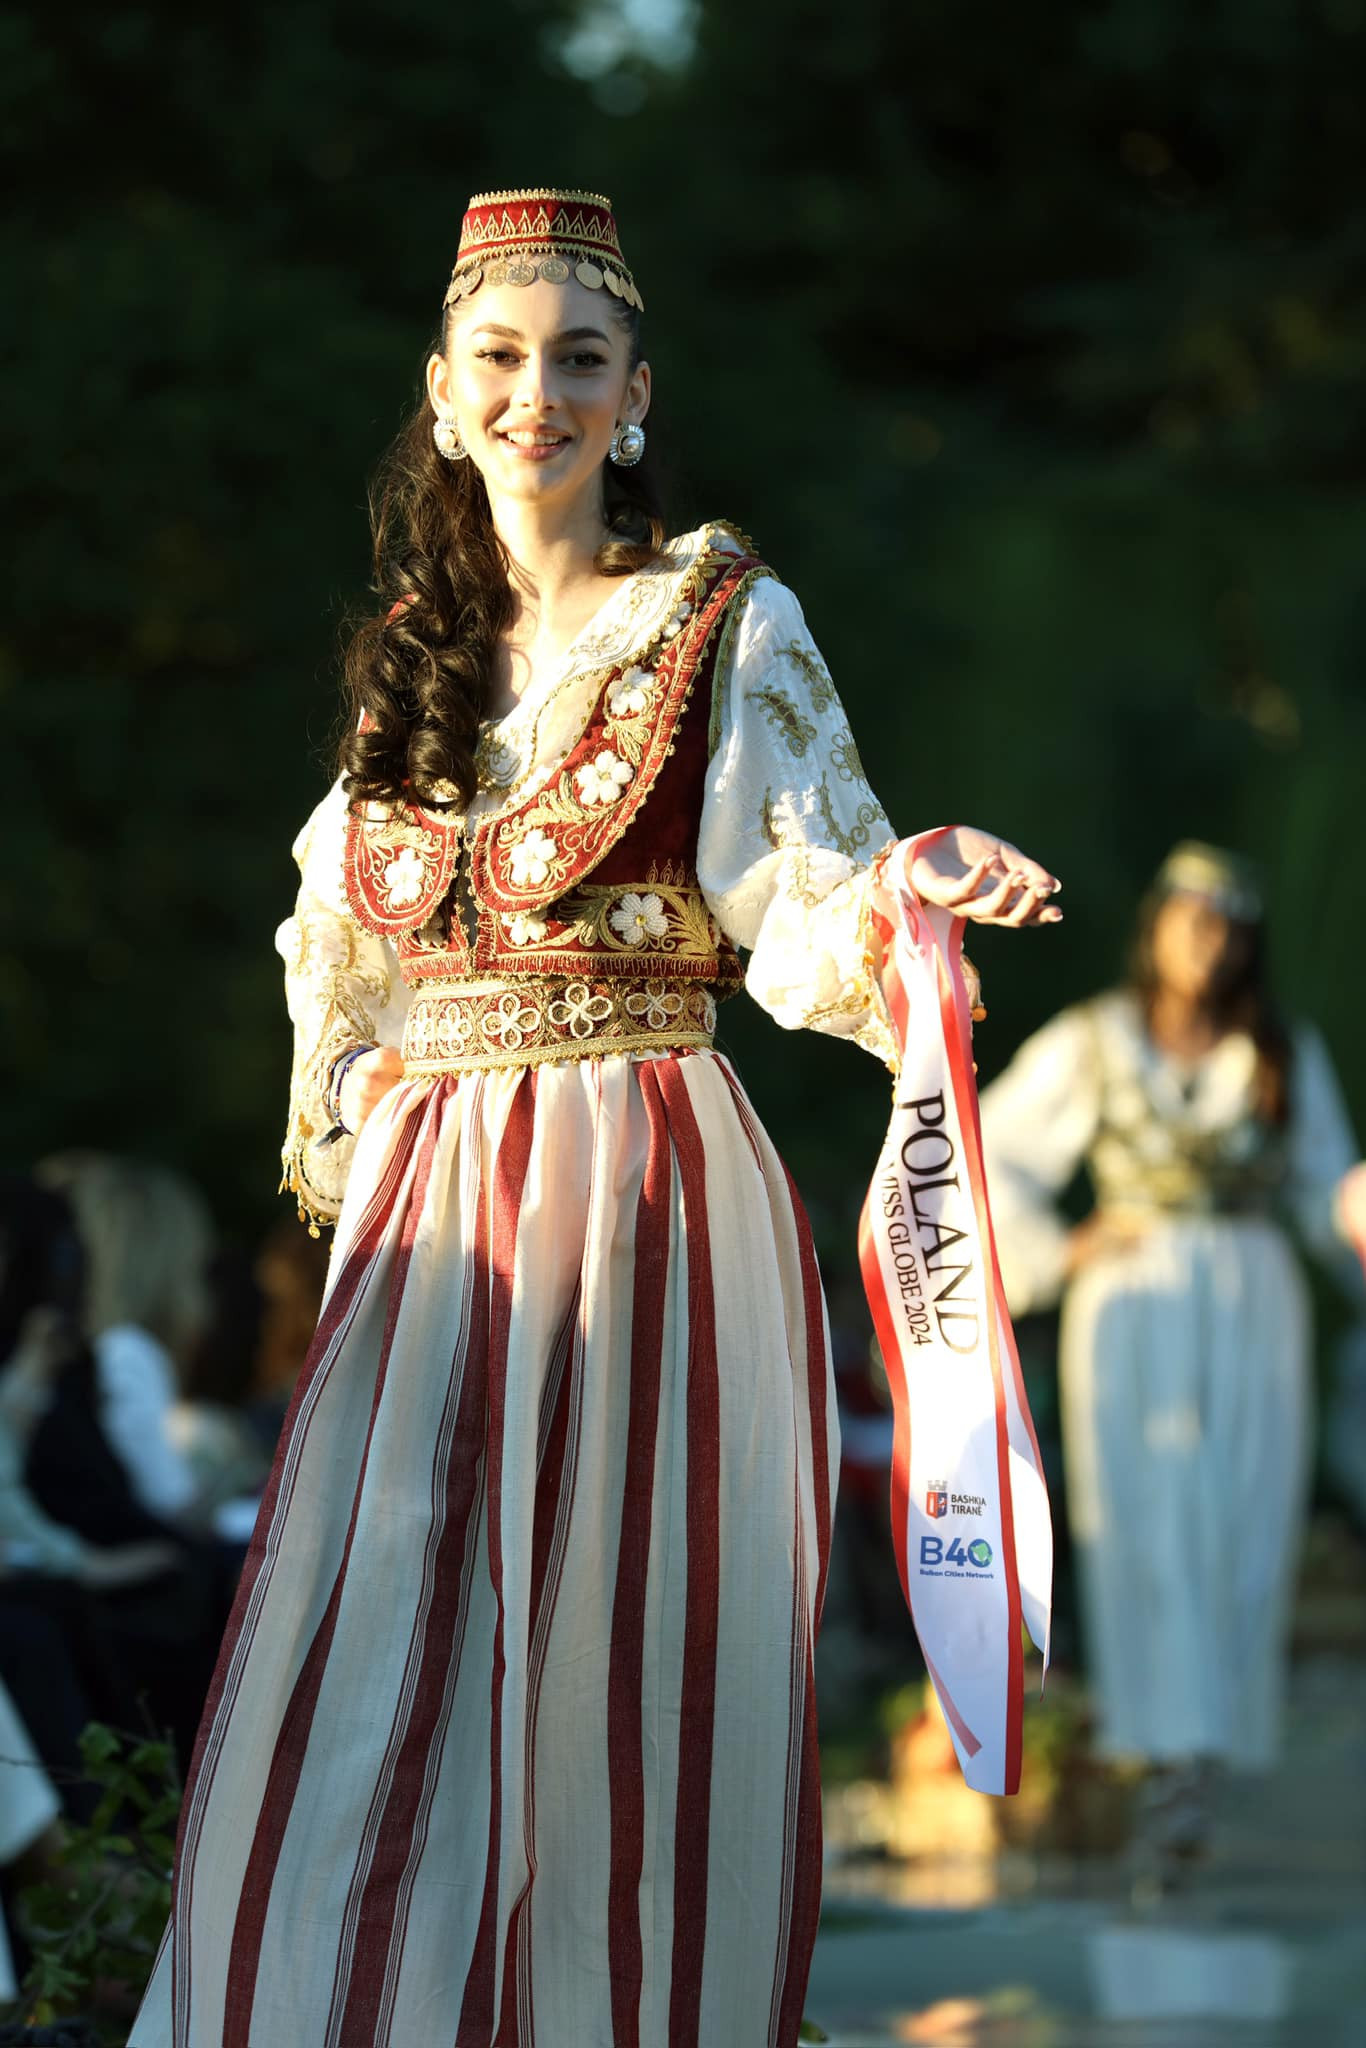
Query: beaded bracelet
337	1073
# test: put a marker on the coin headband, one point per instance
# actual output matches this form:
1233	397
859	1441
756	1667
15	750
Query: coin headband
1223	879
516	237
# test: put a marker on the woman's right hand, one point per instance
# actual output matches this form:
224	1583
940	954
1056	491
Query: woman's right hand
1106	1233
367	1081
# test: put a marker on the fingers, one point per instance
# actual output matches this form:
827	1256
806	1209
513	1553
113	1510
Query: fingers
950	894
996	904
1033	871
1015	901
1002	886
1034	907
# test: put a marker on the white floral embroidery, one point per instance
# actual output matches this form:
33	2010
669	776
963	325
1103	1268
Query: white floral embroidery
656	1003
436	1032
602	780
404	878
512	1023
530	859
676	619
638	918
579	1010
524	930
632	693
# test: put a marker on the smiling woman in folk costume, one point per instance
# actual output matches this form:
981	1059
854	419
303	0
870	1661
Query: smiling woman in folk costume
1206	1125
512	1738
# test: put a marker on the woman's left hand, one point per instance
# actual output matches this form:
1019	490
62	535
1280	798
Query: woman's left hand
976	875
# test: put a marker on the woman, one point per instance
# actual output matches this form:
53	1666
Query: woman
513	1734
1185	1357
147	1239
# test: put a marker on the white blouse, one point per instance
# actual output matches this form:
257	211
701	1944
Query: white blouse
136	1379
788	836
1041	1117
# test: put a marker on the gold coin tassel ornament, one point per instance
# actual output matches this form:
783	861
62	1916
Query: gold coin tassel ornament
516	237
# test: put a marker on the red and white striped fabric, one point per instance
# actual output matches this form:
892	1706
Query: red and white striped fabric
513	1735
970	1519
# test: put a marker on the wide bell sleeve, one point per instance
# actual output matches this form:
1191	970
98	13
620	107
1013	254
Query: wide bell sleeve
1038	1120
343	988
790	829
1323	1147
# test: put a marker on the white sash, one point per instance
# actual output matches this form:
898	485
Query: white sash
970	1520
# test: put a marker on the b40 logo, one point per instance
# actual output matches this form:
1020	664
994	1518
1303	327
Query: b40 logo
934	1550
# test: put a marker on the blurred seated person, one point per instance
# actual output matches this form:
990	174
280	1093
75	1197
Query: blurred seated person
72	1531
39	1336
59	1655
147	1240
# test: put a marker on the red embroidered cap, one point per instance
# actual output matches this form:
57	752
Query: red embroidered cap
516	237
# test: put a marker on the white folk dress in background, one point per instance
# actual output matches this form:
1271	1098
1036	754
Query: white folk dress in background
514	1740
1185	1362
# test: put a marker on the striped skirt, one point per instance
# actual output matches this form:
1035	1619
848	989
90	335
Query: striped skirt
512	1740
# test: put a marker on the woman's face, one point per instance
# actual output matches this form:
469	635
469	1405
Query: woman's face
536	377
1194	945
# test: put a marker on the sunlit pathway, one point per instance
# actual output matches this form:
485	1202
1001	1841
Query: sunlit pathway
1267	1945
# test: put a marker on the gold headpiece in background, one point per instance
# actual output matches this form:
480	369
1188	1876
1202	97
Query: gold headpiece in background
1226	879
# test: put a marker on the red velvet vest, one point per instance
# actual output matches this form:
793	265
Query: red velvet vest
569	923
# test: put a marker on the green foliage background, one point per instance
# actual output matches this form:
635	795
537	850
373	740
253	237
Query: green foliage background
1027	342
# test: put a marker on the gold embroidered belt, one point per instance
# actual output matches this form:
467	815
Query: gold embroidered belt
520	1020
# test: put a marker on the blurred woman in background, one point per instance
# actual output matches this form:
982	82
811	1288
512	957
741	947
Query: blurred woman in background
147	1240
95	1600
1205	1124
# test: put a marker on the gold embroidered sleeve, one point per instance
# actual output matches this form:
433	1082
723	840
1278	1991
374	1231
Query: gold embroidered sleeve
342	988
790	829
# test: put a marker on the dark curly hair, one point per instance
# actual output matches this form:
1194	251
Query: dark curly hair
1240	999
417	673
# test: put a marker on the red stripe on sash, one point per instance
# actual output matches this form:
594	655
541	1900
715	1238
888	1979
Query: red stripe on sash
499	1260
957	1043
291	1743
625	1759
692	1828
951	1713
888	1337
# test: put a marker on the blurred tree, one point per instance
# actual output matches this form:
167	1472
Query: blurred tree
1027	342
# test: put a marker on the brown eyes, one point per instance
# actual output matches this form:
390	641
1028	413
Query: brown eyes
582	359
